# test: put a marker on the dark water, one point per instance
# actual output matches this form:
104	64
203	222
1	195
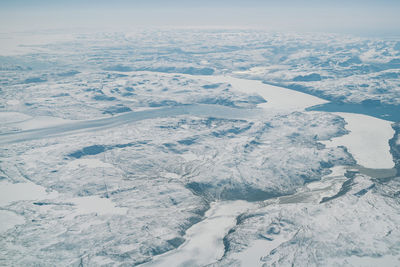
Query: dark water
373	108
377	110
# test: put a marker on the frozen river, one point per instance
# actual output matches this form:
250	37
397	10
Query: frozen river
71	127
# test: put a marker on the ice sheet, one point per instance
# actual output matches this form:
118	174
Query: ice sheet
368	140
9	220
277	98
10	192
204	240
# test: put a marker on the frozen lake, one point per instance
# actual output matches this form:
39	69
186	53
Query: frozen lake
367	141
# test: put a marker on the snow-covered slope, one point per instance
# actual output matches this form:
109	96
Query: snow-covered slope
150	147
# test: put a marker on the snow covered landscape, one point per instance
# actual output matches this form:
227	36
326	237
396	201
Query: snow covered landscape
199	147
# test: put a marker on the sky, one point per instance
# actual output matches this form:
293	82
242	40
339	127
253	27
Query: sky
351	16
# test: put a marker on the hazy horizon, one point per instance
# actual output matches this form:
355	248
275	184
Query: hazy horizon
356	17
